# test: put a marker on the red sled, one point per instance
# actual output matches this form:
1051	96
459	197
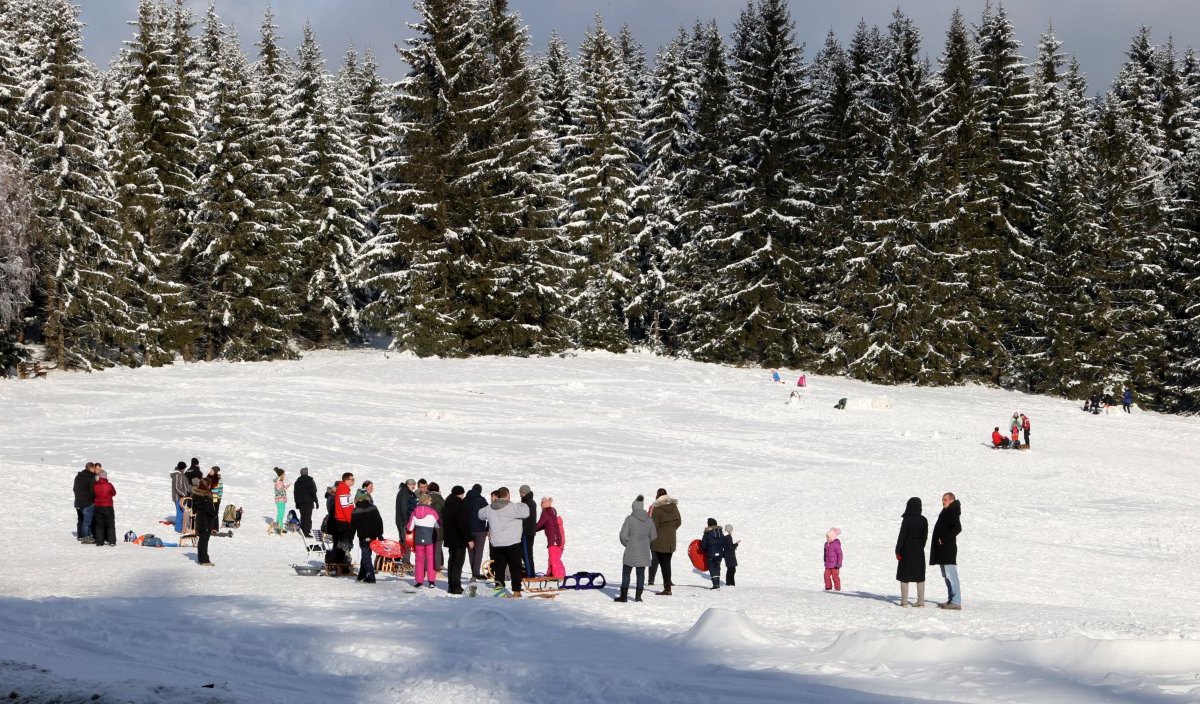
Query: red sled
387	548
697	556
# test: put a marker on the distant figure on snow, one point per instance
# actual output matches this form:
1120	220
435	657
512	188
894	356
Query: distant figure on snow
1127	400
280	487
833	560
368	526
180	489
456	535
999	442
667	519
106	524
555	540
206	520
713	545
775	376
424	524
305	493
910	551
943	549
1025	428
802	381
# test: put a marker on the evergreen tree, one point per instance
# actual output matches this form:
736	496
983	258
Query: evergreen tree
557	90
81	274
334	214
17	274
599	188
247	312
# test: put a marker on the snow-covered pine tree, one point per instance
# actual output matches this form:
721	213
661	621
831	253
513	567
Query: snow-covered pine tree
371	127
557	91
81	275
599	189
17	274
658	202
520	298
702	184
157	141
331	202
12	75
245	265
755	308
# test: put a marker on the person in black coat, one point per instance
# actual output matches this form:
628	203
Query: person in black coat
367	525
305	492
84	488
406	503
194	472
206	520
479	528
456	533
910	551
943	549
529	529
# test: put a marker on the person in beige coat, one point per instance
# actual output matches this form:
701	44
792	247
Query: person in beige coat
667	519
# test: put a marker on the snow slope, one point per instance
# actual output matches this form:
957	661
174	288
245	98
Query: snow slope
1079	559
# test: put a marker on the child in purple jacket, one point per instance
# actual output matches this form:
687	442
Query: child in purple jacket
833	559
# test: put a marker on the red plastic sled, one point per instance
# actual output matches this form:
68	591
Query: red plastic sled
387	548
697	556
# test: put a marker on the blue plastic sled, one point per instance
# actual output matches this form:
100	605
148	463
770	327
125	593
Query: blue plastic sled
584	580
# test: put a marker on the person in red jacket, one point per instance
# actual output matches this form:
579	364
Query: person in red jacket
105	530
343	509
998	440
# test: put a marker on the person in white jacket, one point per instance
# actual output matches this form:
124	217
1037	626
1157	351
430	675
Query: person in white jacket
505	530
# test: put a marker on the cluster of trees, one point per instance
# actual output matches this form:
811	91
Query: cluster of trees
868	211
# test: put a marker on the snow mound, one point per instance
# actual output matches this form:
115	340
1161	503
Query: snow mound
1074	653
724	629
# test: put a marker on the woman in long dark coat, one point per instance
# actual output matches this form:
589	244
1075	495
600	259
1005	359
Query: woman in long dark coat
910	551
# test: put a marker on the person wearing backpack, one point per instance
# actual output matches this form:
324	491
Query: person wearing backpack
106	524
667	519
551	522
206	520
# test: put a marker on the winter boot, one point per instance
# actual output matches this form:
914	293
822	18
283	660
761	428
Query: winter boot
716	583
904	594
666	591
920	595
624	596
638	595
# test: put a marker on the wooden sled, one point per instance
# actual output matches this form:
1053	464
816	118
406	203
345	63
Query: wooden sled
541	587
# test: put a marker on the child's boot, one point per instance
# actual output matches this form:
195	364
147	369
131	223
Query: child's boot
716	583
904	594
920	595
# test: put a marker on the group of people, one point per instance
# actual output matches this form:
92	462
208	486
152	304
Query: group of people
1018	424
95	521
192	490
1097	401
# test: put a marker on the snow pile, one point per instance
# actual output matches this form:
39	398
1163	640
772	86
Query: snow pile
722	629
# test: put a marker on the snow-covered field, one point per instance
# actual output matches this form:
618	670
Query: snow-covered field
1079	559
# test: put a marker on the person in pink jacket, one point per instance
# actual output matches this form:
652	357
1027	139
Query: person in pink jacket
833	559
424	523
555	540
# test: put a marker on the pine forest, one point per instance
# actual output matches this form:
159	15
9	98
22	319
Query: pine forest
890	207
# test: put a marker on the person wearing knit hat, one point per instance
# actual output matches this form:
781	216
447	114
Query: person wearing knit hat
714	545
833	560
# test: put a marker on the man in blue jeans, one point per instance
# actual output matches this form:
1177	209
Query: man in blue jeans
180	488
85	500
943	549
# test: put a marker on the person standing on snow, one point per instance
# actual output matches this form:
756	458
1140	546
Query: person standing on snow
181	488
833	560
206	520
637	532
85	502
343	511
1014	430
713	544
280	488
456	534
731	564
406	503
194	472
474	503
106	523
368	526
1127	400
555	541
1025	428
505	521
529	530
304	491
910	551
667	519
943	549
437	503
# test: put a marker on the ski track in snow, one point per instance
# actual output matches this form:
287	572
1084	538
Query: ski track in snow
1078	559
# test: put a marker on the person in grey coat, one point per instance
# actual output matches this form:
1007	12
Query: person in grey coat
637	532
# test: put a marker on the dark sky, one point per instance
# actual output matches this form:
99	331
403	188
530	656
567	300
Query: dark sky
1097	31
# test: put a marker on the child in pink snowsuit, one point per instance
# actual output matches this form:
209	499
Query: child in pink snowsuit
555	540
833	559
424	523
